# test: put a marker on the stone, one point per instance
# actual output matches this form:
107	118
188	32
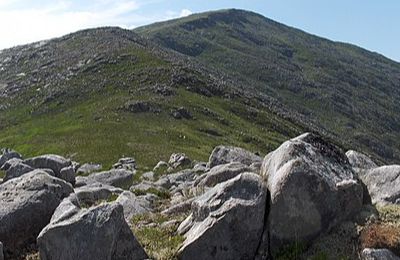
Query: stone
133	205
383	184
182	207
378	254
95	192
127	163
161	167
179	160
7	154
360	161
88	168
1	251
15	168
148	176
226	222
221	173
117	177
50	161
227	154
313	188
27	204
96	233
67	174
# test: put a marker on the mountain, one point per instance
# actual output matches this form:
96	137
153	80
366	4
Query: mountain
351	94
101	94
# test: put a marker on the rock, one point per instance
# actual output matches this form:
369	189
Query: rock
312	188
227	221
15	168
180	113
96	233
27	204
88	168
179	208
148	176
127	163
360	161
378	254
1	251
7	154
145	186
141	107
133	205
179	160
50	161
223	172
200	167
161	167
117	177
383	184
95	192
67	174
226	154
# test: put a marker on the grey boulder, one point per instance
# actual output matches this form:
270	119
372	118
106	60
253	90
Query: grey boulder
378	254
360	161
226	222
222	173
127	163
27	204
7	154
50	161
227	154
383	184
95	192
178	160
133	205
116	177
88	168
67	174
312	188
15	168
96	233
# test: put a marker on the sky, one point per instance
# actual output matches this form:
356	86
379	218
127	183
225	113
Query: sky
371	24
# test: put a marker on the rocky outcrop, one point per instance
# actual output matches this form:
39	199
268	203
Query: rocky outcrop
88	168
227	154
179	160
95	233
27	204
15	168
116	177
127	163
49	161
94	192
227	221
383	184
378	254
133	205
312	188
360	161
7	154
221	173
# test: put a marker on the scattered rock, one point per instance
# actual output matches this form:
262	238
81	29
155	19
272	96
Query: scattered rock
181	113
95	192
383	184
226	222
50	161
117	177
148	176
179	208
312	188
7	154
179	160
88	168
221	173
133	205
360	161
27	204
127	163
15	168
67	174
161	167
378	254
226	154
96	233
141	107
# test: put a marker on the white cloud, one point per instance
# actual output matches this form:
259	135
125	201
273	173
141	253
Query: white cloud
185	12
50	19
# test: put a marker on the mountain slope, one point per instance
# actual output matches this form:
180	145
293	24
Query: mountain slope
100	94
351	93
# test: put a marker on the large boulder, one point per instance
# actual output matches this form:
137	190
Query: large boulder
227	154
116	177
313	188
383	184
221	173
133	205
27	204
50	161
7	154
226	222
127	163
88	168
15	168
95	192
360	161
179	160
378	254
95	233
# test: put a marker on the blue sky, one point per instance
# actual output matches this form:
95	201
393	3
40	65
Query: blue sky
372	24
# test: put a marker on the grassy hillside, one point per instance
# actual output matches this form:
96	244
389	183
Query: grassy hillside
350	92
101	94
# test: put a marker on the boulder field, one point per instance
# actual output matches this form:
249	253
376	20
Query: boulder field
237	205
